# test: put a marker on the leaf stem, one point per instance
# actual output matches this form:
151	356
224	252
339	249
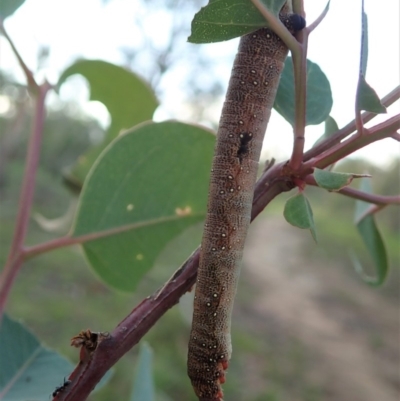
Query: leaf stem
380	200
30	252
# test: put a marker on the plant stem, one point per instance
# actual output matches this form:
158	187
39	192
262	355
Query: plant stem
139	321
383	130
387	101
14	259
300	84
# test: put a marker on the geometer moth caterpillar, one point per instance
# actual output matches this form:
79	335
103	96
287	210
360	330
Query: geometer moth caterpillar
245	114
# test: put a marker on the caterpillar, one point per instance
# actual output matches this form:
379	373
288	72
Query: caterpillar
245	114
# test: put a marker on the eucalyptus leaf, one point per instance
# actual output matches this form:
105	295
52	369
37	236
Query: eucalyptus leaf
222	20
319	94
8	7
368	230
148	186
298	213
28	370
128	99
367	98
333	181
331	128
143	386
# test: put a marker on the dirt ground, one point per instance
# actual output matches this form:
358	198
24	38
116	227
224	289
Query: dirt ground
351	328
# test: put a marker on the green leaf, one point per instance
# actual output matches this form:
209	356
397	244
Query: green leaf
150	184
8	7
28	371
319	95
298	213
128	99
143	387
364	43
222	20
331	128
367	98
372	239
333	181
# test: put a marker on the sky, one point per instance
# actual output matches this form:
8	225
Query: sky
94	29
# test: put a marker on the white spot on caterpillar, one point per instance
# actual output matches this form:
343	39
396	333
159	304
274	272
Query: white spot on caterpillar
253	72
215	295
223	248
208	304
129	207
222	192
241	122
230	177
254	36
230	136
223	235
266	83
215	314
255	83
242	82
214	249
231	190
239	187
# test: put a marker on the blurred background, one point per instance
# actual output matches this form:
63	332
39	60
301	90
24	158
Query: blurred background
305	326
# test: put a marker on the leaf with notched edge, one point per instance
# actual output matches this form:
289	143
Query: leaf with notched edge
128	99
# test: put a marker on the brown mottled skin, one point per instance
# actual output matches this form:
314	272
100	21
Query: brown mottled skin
246	111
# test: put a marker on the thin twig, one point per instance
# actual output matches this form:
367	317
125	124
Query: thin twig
380	131
380	200
348	129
